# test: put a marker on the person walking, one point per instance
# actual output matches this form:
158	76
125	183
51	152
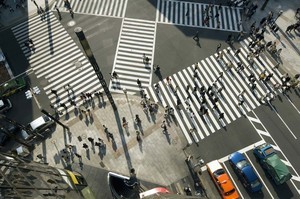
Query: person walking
85	146
218	47
91	140
289	28
196	37
139	83
164	126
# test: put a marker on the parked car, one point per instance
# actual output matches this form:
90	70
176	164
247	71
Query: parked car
269	160
12	87
245	172
40	125
222	180
5	105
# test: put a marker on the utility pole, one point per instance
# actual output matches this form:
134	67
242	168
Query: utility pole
88	51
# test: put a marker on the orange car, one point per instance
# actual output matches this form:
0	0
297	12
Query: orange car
222	180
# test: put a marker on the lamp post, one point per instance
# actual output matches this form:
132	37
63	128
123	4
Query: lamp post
86	47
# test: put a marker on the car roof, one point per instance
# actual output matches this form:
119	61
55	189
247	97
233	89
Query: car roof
37	122
214	166
225	182
236	157
249	173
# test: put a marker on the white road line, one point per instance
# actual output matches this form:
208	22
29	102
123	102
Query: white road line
283	121
240	193
258	175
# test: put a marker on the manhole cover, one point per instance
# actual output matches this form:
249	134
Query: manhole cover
71	23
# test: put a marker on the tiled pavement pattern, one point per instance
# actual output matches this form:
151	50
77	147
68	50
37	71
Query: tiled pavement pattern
137	38
112	8
232	82
57	59
192	14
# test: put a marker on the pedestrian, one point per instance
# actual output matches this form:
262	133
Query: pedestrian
164	126
138	136
110	135
228	38
237	52
240	36
220	55
137	119
168	80
72	13
77	155
85	146
115	75
30	42
105	128
196	37
218	47
42	10
124	122
221	116
91	140
220	6
26	44
157	68
63	105
54	91
139	83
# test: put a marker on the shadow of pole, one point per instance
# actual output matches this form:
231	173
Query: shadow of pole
123	141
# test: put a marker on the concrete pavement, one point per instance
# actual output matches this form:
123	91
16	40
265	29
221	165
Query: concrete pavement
159	158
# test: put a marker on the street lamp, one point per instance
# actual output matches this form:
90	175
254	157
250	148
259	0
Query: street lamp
88	51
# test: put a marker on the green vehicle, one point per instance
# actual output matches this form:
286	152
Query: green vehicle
267	157
12	86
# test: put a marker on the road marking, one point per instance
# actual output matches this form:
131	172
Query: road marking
275	144
243	150
293	104
258	175
283	121
233	181
263	133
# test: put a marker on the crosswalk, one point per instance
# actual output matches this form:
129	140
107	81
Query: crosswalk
137	39
228	85
111	8
193	14
56	58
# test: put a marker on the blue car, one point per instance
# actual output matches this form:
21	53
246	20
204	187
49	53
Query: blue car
245	172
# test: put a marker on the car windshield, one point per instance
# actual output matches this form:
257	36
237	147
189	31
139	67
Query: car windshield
46	118
242	164
219	172
229	192
255	183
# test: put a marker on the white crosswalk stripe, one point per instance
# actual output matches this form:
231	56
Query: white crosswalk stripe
111	8
57	59
194	14
235	85
137	37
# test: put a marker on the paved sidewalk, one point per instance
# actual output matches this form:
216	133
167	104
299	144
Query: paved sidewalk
9	17
159	155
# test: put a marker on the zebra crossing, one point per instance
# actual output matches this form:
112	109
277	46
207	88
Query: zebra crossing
57	59
228	85
193	14
112	8
137	39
